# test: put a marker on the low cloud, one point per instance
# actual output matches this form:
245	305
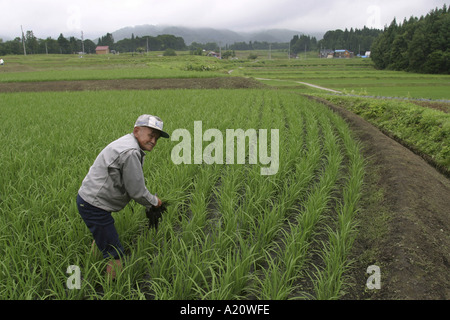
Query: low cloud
96	17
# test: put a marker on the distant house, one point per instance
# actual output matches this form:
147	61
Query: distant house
102	50
213	54
343	54
326	53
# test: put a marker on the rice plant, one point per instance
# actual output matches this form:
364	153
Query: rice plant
229	232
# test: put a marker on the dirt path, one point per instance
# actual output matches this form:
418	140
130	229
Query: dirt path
318	87
304	83
413	208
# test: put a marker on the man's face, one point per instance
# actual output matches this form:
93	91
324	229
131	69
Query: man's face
146	137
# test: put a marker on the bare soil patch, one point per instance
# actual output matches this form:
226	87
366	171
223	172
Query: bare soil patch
405	226
441	106
131	84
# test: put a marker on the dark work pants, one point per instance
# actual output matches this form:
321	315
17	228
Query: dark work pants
101	225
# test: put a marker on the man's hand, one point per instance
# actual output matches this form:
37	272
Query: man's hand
154	214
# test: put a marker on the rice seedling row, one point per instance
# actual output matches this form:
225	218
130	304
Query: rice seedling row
229	232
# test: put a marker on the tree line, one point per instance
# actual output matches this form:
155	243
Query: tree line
356	40
302	43
352	40
147	43
418	45
34	45
73	45
163	42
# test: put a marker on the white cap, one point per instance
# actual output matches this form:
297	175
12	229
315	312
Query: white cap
154	122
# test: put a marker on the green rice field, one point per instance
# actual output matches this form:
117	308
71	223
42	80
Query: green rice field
230	232
350	76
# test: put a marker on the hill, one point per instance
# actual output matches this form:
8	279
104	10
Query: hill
205	35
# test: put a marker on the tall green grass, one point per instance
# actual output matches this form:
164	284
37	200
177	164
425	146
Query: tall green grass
229	232
424	129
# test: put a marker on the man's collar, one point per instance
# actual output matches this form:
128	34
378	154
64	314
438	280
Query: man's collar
137	142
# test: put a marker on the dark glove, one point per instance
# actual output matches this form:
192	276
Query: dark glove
154	214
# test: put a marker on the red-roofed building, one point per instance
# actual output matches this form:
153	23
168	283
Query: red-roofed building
102	50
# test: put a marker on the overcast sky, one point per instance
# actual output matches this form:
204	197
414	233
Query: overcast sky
97	17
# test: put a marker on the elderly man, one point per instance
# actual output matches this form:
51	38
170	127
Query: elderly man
113	180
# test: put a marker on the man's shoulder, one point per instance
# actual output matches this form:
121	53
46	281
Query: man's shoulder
127	147
120	146
124	143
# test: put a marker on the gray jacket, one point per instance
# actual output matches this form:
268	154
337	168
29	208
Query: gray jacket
116	177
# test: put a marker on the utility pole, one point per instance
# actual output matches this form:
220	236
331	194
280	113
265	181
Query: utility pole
82	42
23	42
289	51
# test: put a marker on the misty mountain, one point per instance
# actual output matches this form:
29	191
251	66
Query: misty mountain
205	35
5	38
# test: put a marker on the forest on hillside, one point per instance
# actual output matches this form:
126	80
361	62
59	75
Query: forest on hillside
355	40
417	45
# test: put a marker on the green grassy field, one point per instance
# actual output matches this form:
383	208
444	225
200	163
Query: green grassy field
99	67
351	76
355	76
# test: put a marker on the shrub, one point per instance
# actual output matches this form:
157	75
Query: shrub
169	53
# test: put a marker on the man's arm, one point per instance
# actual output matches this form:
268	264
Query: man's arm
134	182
